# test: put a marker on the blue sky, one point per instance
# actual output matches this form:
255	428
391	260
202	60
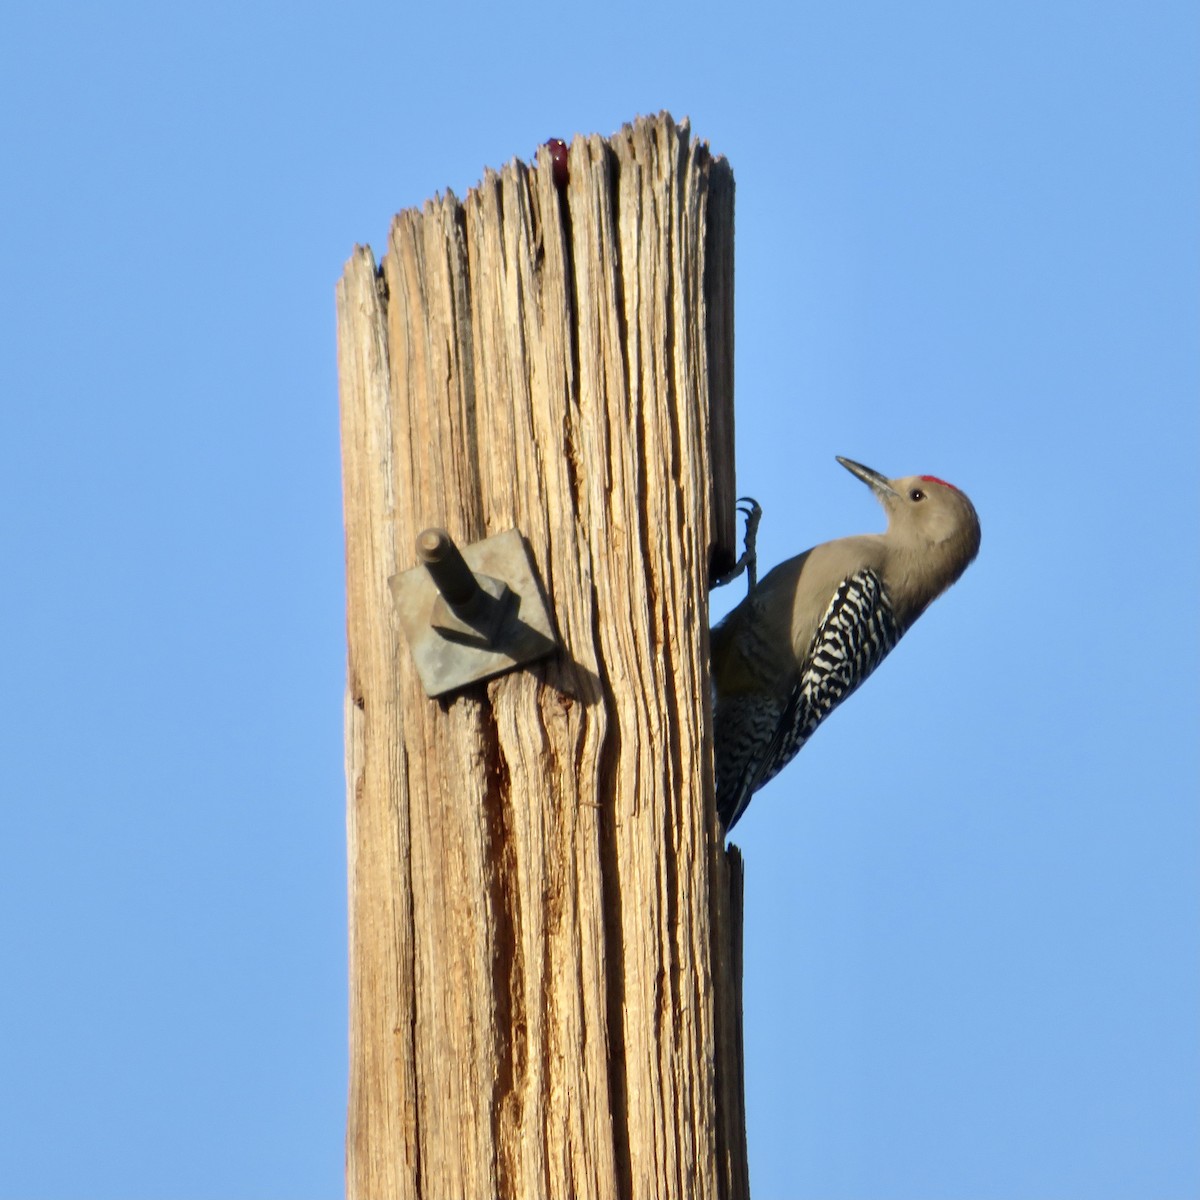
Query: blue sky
967	244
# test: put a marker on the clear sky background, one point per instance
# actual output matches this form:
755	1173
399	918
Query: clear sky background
968	243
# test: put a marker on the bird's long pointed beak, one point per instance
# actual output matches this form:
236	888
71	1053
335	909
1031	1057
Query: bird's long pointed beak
877	483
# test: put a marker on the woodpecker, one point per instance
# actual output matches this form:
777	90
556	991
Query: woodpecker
817	625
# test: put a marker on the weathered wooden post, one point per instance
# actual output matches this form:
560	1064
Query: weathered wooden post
544	926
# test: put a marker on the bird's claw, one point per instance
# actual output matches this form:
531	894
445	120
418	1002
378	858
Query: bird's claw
749	559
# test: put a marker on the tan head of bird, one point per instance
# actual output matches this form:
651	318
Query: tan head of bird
929	521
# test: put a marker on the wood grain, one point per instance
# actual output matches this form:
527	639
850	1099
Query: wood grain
545	962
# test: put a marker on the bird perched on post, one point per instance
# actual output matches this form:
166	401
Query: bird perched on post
817	625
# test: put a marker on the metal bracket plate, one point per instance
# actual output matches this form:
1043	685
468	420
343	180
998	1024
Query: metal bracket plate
514	627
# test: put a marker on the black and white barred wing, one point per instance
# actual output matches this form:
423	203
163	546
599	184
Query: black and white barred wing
852	639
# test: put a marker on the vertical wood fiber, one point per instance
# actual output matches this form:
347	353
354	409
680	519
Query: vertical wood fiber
545	984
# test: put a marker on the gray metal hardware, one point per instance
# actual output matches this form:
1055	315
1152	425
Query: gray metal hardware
473	613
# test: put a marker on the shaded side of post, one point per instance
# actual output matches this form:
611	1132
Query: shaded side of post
545	973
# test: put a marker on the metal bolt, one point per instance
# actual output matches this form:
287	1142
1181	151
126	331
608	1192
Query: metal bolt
473	613
449	571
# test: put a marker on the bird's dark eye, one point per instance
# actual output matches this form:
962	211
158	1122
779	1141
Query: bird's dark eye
916	494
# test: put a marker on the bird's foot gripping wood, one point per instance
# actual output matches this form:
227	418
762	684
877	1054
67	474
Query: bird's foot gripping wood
749	560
